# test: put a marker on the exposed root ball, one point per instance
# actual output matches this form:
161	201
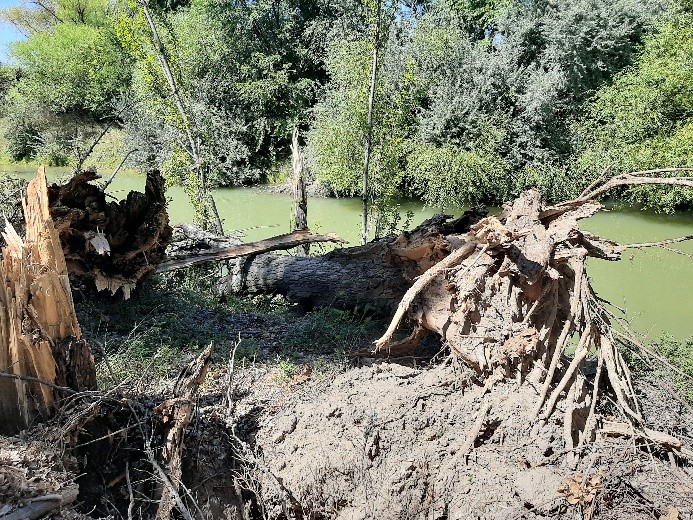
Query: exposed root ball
115	244
508	301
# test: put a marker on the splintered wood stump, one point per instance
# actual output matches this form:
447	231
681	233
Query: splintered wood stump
176	414
41	349
114	244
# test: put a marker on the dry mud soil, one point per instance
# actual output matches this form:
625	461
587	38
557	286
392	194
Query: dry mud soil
387	441
382	441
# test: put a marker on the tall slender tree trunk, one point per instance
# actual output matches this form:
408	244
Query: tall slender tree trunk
203	194
298	191
365	194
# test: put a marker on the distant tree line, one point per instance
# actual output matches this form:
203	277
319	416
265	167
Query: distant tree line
474	101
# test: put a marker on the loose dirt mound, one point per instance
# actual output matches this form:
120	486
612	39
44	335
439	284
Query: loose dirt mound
393	442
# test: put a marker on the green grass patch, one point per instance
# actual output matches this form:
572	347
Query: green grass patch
680	354
172	318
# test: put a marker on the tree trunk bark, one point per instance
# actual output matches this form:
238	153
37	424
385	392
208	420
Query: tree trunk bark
373	276
203	195
298	192
365	193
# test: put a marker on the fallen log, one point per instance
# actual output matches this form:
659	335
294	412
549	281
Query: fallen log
373	276
117	244
41	349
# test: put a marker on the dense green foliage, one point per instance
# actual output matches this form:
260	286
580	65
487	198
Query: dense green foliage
475	99
644	120
247	73
71	75
481	114
74	68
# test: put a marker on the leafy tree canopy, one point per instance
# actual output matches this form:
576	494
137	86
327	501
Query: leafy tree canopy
644	120
75	67
248	72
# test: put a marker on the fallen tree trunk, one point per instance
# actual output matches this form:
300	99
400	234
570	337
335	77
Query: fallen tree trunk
115	245
42	355
506	294
373	276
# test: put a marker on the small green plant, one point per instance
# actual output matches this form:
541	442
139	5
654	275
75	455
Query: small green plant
680	354
287	371
325	368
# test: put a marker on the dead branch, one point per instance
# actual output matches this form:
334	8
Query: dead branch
620	429
117	169
36	508
657	244
177	413
131	504
580	355
29	379
473	434
298	191
634	179
677	251
599	180
281	242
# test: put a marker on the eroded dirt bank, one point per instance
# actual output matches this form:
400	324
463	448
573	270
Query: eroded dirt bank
383	441
388	442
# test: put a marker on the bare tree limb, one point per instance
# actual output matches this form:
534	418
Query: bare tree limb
193	142
597	181
633	179
644	245
365	193
117	169
288	241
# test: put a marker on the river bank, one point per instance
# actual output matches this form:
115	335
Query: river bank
284	403
653	285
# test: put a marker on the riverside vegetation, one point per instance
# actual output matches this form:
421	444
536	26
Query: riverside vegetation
475	100
432	429
472	102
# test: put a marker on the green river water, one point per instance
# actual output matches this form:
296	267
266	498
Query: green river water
654	285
